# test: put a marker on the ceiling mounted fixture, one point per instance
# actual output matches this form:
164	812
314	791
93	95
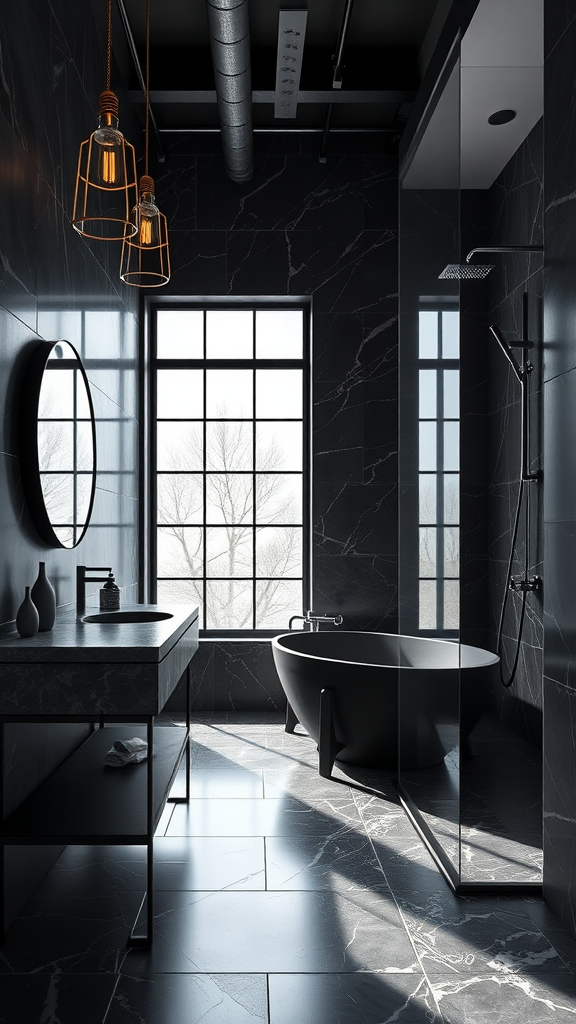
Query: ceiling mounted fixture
145	261
106	176
291	33
502	116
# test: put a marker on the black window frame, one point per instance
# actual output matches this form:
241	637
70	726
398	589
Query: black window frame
438	365
149	399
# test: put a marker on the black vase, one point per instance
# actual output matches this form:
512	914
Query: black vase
27	616
44	598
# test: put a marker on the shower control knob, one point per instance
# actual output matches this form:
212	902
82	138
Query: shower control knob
525	586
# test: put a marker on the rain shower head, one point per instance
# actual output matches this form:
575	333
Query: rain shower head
466	271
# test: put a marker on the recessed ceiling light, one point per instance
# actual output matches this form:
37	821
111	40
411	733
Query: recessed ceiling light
501	116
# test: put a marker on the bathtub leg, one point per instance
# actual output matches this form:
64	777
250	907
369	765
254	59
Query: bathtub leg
291	720
328	747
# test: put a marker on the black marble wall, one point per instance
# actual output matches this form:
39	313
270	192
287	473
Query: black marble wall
53	284
560	463
510	213
328	231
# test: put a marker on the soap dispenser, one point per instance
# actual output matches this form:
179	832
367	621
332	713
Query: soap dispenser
110	595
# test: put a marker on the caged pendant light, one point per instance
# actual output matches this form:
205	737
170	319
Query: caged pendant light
145	261
106	186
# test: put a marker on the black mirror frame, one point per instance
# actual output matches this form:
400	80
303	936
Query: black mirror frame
29	455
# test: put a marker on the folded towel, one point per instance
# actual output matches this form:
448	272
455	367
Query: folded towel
126	752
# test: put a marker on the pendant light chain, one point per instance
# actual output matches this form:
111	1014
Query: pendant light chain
109	47
147	83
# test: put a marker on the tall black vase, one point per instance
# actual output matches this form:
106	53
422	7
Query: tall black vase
44	598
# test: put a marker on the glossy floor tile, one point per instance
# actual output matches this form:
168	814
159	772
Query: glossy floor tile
280	898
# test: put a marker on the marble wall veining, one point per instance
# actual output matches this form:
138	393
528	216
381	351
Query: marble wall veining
510	213
54	284
560	462
329	231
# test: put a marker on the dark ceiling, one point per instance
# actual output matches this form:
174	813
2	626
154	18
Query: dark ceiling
380	69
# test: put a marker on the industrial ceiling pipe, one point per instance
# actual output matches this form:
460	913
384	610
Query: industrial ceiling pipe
229	29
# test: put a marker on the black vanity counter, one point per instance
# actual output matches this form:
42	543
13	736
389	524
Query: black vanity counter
87	668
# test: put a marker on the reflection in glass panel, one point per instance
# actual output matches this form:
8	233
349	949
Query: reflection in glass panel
56	446
229	334
451	394
180	333
57	400
279	551
66	535
451	445
229	498
451	498
451	551
84	447
179	446
181	592
427	446
229	394
229	445
279	333
451	604
427	604
180	395
279	394
428	334
427	394
427	485
58	491
228	604
279	446
427	551
179	551
276	602
228	551
180	498
278	498
450	334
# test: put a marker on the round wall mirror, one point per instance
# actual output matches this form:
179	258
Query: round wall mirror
58	444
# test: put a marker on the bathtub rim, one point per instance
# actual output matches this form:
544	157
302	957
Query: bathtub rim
492	659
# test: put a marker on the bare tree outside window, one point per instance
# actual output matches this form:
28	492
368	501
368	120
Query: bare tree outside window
229	472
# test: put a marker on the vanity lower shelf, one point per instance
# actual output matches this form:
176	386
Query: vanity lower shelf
90	802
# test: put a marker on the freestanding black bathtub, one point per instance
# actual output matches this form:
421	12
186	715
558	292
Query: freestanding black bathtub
343	687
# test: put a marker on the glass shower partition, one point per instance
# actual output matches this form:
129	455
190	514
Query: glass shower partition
429	431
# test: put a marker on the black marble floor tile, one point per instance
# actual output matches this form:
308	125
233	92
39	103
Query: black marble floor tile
469	937
351	999
283	817
212	784
275	932
55	998
182	862
305	783
80	935
507	999
249	755
341	864
190	999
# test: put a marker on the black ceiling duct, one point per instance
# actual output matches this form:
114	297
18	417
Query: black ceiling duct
229	29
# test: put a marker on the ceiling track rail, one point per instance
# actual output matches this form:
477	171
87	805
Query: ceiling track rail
337	78
138	68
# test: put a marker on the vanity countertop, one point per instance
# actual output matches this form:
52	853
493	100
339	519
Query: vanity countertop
91	669
72	640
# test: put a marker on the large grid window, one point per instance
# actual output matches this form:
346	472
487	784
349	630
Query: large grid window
230	451
438	470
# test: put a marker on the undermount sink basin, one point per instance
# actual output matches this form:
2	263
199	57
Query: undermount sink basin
146	615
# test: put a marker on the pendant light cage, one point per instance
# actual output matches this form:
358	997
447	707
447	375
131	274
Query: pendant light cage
145	260
106	183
